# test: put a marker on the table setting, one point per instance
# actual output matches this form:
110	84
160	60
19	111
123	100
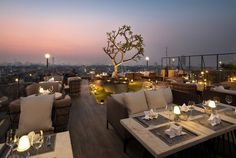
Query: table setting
151	118
208	121
173	134
31	144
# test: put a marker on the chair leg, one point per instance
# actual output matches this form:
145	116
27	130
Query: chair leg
124	145
107	124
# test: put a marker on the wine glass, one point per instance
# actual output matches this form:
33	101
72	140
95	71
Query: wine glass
169	109
190	105
37	141
228	99
204	106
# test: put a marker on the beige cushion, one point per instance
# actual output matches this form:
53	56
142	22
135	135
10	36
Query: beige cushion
167	93
135	102
118	97
155	99
35	114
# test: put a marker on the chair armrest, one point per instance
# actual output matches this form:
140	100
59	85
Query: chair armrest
115	112
4	126
61	112
14	112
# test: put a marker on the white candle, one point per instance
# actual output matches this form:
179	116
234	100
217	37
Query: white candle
211	104
24	144
176	110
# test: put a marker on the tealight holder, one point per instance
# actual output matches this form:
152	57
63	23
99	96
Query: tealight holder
212	106
24	144
177	113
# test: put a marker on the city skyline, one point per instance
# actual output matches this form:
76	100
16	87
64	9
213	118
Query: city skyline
74	32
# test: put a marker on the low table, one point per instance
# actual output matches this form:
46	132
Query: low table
158	145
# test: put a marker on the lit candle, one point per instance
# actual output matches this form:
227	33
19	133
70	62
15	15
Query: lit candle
211	104
24	144
41	90
176	110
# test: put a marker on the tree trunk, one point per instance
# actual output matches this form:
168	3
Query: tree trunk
115	72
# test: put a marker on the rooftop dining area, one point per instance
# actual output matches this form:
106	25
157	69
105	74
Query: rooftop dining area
154	118
117	79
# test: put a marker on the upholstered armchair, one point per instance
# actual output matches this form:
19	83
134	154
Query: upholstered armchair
60	113
34	88
73	86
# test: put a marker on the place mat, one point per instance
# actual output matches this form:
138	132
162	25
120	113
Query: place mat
230	112
218	107
43	149
194	112
204	122
160	133
146	123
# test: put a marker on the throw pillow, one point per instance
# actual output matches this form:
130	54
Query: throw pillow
35	114
155	99
167	93
118	97
135	102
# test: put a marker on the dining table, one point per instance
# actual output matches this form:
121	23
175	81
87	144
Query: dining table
151	133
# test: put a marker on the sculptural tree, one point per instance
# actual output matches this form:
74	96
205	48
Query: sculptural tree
123	46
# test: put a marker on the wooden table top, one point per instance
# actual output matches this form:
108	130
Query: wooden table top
62	147
159	148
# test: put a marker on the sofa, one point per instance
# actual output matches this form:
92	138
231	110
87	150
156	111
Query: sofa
118	109
59	116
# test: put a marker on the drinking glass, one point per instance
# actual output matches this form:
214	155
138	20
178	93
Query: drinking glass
38	141
228	99
190	105
169	109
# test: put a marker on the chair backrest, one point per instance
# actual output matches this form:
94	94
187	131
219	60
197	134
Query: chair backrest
74	85
57	87
32	89
192	88
56	78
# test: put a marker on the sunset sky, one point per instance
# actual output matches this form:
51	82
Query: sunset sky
74	32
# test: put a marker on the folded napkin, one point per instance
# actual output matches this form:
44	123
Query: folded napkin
174	131
184	108
149	115
214	119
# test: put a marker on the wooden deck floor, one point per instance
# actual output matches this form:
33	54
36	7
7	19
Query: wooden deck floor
87	126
